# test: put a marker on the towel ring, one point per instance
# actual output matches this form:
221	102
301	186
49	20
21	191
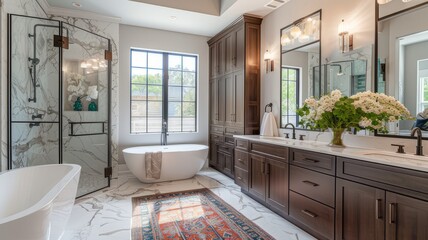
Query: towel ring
269	105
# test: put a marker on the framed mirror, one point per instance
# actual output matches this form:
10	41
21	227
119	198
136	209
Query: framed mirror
300	73
402	61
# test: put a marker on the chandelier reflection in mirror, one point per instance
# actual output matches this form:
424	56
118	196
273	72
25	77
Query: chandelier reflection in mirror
301	32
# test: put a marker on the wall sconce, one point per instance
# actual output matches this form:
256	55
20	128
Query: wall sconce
346	40
269	62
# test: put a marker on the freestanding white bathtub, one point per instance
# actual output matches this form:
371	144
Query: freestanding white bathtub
36	202
180	161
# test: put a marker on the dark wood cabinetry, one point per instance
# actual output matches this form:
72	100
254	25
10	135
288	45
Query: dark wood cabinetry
333	197
234	86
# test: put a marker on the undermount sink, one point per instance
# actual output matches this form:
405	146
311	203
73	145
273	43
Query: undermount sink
397	156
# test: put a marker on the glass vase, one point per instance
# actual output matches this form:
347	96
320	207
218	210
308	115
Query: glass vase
337	137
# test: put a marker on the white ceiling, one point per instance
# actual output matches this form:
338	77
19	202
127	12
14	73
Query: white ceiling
158	17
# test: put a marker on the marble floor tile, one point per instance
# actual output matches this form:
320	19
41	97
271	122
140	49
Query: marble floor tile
106	215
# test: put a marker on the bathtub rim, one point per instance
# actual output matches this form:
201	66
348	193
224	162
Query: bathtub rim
49	196
203	147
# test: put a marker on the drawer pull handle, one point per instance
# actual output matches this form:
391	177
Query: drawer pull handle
311	183
392	213
310	160
378	208
309	213
240	160
239	178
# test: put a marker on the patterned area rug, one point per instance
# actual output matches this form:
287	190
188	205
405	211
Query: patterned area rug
195	214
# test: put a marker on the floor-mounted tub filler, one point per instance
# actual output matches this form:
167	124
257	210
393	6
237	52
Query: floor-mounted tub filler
179	161
36	202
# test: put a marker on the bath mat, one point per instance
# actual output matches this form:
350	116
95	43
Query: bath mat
195	214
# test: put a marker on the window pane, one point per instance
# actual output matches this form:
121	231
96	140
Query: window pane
189	64
155	76
155	60
284	93
189	109
293	120
155	124
155	109
174	93
284	74
292	74
425	89
139	59
189	94
139	75
138	125
139	108
174	109
189	79
174	124
292	97
175	78
139	92
155	93
174	62
189	124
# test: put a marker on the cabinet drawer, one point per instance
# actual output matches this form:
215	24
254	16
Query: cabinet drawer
318	218
241	144
385	177
217	138
241	178
315	185
217	129
229	140
316	161
225	149
271	150
241	159
234	131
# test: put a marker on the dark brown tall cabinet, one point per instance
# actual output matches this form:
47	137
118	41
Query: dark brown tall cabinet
234	89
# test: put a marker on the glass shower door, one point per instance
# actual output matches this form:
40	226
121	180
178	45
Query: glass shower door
34	112
86	87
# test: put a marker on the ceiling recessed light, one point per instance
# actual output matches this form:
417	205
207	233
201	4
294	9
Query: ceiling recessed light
75	4
173	18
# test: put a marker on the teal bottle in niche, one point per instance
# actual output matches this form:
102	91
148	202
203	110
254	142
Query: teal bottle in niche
92	107
78	106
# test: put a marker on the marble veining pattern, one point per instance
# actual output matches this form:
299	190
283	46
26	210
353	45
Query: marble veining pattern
106	215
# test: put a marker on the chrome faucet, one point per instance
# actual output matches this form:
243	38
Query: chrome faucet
419	147
164	133
294	129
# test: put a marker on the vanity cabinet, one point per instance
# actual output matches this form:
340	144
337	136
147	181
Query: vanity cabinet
234	87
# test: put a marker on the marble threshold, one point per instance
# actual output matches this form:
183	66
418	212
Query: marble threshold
106	215
409	161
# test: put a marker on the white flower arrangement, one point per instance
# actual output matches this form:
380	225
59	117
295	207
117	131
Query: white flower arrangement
92	93
366	110
75	86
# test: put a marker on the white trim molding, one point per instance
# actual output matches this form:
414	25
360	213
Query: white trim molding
57	11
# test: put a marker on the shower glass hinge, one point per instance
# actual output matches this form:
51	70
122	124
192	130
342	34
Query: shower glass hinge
108	55
60	41
108	171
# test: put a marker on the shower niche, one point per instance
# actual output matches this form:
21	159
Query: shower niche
59	78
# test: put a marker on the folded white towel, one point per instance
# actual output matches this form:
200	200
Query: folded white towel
153	164
269	127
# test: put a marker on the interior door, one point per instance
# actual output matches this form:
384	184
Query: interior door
86	98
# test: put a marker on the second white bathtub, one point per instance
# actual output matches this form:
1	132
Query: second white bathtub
180	161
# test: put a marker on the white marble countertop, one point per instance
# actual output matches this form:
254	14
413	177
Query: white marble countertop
408	161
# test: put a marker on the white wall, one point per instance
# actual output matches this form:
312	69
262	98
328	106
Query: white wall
358	15
138	37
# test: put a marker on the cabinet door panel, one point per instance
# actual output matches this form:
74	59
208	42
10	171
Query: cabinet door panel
277	185
257	186
213	60
239	103
221	57
239	60
228	53
407	218
221	100
230	99
213	154
228	165
213	101
359	211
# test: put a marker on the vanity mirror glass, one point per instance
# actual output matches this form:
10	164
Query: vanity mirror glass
300	65
402	62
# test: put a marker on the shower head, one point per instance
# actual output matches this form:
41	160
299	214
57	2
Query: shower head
34	61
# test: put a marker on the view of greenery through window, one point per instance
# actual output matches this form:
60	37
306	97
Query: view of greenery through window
153	91
289	95
424	94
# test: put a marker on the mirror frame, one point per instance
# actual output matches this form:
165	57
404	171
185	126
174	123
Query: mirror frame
376	56
282	52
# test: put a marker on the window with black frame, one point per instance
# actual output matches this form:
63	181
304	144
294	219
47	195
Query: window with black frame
290	94
163	88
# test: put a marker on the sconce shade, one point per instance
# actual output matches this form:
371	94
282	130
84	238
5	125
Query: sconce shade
342	29
267	56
